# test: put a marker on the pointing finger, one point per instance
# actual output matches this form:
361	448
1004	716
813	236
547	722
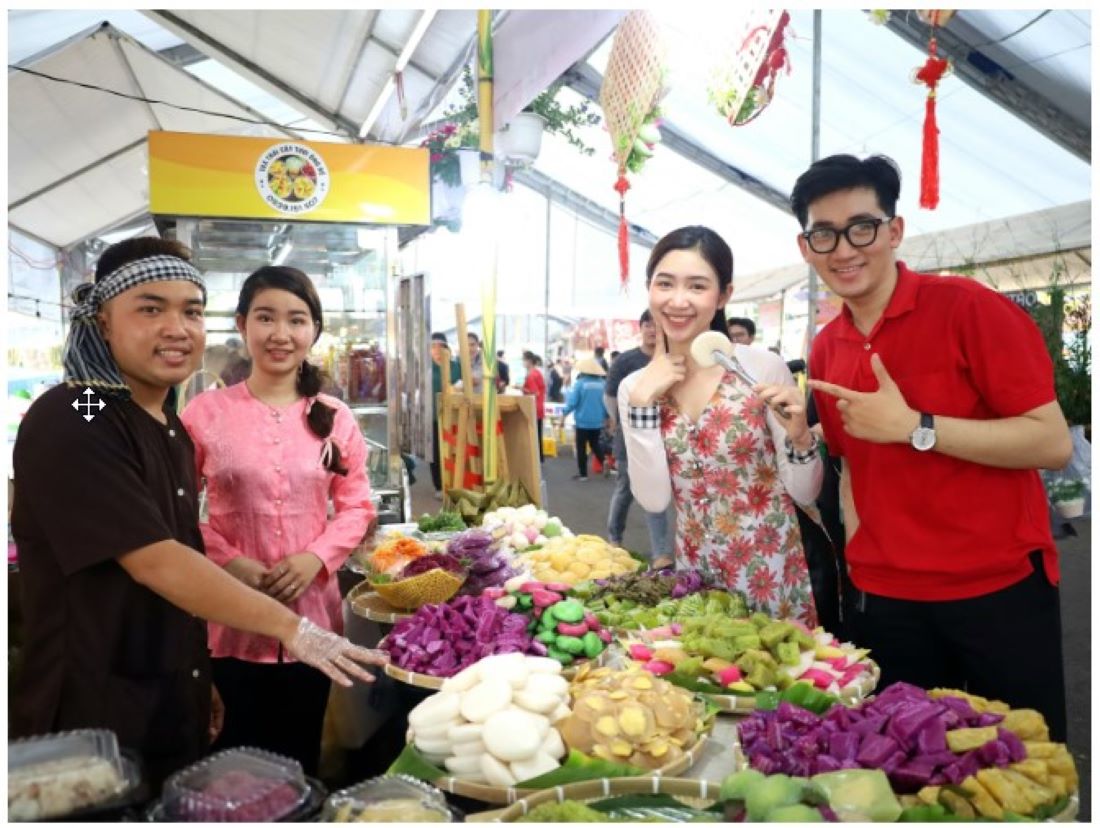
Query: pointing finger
881	374
838	391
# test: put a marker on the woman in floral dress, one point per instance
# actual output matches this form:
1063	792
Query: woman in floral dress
716	447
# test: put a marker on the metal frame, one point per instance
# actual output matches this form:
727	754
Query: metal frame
586	81
290	95
585	207
998	84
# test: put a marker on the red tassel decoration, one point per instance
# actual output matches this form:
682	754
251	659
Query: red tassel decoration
930	75
621	186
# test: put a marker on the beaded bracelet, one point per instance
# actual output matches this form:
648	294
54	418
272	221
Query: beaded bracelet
802	457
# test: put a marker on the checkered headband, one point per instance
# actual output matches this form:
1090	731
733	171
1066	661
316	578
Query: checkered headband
87	357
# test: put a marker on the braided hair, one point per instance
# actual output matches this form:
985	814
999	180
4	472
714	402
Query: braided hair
319	417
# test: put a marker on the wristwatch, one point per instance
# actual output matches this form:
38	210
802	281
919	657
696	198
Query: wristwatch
923	437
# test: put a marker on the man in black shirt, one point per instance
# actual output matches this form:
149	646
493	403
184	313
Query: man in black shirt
105	518
625	364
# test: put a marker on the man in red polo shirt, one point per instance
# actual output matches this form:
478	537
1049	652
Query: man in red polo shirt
938	395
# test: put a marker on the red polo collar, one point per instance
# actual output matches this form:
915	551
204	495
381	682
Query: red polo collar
902	300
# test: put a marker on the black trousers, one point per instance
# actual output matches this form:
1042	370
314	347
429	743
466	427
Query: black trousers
1006	645
276	707
437	477
587	437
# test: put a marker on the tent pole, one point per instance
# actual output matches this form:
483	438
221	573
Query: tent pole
546	296
815	153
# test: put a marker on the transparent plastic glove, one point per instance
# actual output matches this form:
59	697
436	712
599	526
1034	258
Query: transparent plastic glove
332	654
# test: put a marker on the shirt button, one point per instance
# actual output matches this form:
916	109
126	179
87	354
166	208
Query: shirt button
195	674
276	439
866	346
180	492
278	468
171	432
278	532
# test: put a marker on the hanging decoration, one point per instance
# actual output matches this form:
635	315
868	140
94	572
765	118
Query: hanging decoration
402	101
633	86
744	84
930	74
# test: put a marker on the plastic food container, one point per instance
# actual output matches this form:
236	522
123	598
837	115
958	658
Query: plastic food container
237	785
388	799
66	773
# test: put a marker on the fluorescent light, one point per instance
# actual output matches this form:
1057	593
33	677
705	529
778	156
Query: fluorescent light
379	105
402	60
414	39
283	252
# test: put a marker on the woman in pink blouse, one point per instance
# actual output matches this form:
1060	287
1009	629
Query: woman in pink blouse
273	450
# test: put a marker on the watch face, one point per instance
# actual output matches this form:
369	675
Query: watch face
923	439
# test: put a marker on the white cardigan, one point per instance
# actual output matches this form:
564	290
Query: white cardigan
650	481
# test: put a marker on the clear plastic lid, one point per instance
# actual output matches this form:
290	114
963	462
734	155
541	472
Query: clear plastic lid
62	773
236	785
388	799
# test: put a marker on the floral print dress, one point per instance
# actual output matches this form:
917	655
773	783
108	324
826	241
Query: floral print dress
729	478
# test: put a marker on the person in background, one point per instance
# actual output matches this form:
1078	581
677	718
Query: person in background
237	364
699	436
938	394
585	403
504	373
441	355
477	364
273	451
657	522
114	595
214	361
554	387
600	358
741	330
534	384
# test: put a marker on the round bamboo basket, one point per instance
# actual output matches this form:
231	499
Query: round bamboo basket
695	793
427	682
499	795
366	603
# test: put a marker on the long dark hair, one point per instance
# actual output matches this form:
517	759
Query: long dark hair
711	247
319	417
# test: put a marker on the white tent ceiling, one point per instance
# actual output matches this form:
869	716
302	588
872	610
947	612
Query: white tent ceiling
995	166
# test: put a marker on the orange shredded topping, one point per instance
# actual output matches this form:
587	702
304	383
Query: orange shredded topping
391	555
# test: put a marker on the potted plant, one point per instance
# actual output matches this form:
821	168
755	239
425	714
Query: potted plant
451	151
1067	496
558	119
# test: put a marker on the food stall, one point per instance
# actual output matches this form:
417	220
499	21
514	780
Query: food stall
330	210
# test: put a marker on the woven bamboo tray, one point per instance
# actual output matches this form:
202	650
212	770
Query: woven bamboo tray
366	603
435	682
500	795
1067	814
695	793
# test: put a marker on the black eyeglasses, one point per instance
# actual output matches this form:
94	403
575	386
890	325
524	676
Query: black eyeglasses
859	234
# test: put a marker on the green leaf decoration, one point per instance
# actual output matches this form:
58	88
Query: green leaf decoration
412	763
649	808
580	768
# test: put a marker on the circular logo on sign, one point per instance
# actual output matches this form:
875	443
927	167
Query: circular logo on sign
292	178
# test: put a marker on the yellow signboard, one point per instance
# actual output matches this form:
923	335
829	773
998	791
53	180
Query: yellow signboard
271	178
